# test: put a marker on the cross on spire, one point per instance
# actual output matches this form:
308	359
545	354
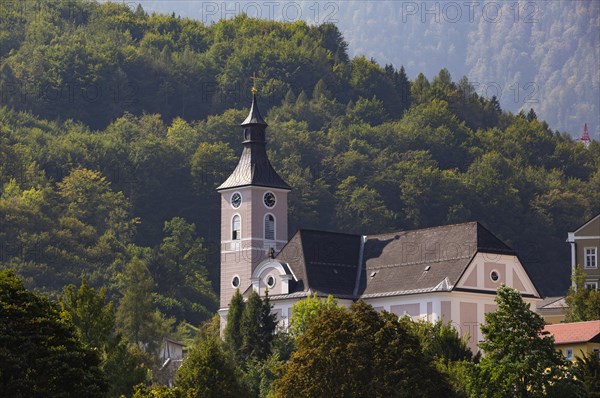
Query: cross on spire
254	79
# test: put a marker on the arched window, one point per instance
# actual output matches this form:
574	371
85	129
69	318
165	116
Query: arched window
269	227
236	228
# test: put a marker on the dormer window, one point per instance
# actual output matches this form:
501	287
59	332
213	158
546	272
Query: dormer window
236	228
269	227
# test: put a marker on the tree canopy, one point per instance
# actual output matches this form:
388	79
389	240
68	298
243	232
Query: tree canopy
358	353
366	149
583	304
519	360
41	353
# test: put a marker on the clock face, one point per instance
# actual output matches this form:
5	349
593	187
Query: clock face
236	200
269	199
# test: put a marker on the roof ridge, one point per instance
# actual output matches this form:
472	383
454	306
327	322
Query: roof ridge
423	229
420	262
326	232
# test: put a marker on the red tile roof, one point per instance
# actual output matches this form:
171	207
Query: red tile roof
576	332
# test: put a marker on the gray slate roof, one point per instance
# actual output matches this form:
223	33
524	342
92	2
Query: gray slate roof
254	169
254	116
430	259
324	262
406	262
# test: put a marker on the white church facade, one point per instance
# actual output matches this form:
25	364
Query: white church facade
448	273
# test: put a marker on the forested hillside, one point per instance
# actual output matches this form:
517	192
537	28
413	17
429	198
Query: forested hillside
117	125
528	53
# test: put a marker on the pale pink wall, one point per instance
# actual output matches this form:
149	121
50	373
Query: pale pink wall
487	270
490	308
277	289
250	250
471	281
468	323
446	311
412	310
517	284
279	211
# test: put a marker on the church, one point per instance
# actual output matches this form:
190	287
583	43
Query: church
447	273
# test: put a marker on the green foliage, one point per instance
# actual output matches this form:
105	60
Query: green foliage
384	152
518	360
119	189
360	207
123	365
259	376
583	304
88	311
257	326
251	341
208	371
41	352
178	269
441	341
357	353
233	332
142	391
136	318
306	311
587	369
89	199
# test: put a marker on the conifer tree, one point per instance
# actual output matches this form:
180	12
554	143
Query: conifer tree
257	328
136	318
233	333
290	98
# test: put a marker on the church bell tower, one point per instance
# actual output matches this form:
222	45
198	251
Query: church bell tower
254	210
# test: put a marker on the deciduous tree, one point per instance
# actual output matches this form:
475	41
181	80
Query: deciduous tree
583	304
305	312
41	353
209	372
359	353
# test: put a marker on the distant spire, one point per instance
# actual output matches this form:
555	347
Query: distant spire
585	137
